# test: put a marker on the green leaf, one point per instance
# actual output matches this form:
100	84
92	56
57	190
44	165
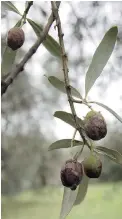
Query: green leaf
60	85
111	153
50	44
64	143
8	57
67	117
10	6
109	109
100	58
38	28
68	201
82	190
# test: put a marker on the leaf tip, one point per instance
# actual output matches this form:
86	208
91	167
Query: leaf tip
54	114
114	29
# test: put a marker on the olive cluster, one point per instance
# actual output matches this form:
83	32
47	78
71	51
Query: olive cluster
72	172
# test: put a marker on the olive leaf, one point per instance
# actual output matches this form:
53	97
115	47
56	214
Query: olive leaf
82	190
64	143
67	117
9	57
109	109
8	5
50	44
60	85
68	201
100	58
110	153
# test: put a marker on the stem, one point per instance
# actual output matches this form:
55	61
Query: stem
78	153
73	138
87	104
83	101
72	141
92	146
77	101
29	4
65	71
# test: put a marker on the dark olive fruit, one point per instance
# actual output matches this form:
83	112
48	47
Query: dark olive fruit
92	166
95	125
71	174
15	38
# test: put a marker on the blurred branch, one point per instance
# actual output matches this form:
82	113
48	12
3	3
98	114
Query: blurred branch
66	70
29	54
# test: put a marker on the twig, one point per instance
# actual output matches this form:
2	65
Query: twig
78	153
72	141
87	104
29	54
83	101
29	4
76	101
65	70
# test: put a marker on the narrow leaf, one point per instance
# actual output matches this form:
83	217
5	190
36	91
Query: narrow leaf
67	117
50	44
38	28
111	153
100	58
60	85
8	57
109	109
64	143
68	201
10	6
82	190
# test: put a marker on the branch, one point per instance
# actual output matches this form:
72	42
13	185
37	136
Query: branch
65	71
29	54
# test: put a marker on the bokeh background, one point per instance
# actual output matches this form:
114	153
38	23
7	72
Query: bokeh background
30	177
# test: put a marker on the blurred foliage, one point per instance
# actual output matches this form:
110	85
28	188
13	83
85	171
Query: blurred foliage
102	201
